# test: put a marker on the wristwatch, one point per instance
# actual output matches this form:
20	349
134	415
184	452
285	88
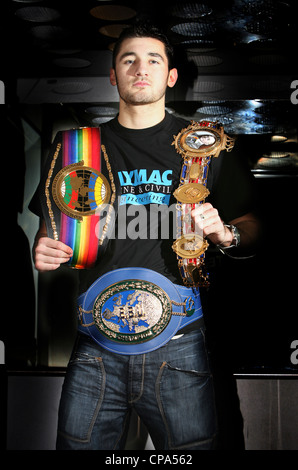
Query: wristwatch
236	237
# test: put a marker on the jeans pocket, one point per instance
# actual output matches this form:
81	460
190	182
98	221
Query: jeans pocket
186	403
82	396
188	374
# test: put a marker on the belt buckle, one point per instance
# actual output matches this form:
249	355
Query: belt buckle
132	311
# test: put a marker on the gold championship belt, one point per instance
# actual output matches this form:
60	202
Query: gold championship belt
196	144
78	188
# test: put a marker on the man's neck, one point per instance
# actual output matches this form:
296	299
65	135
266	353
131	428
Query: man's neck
141	116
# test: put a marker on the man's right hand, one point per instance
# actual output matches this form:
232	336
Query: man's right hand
49	254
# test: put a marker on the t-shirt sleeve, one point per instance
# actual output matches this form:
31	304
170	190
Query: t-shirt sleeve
35	204
38	203
231	184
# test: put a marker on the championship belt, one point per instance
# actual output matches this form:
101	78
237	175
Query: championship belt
136	310
197	144
78	188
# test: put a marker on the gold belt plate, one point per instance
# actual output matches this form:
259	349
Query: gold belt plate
191	193
132	311
80	191
190	245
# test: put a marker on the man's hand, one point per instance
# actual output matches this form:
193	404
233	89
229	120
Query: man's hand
208	222
49	254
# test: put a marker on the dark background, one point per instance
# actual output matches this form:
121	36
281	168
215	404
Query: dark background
236	64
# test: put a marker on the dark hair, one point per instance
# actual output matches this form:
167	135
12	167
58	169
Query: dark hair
144	30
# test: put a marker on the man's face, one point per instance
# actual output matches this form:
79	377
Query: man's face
142	73
207	139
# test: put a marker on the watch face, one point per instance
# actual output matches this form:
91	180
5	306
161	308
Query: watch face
236	234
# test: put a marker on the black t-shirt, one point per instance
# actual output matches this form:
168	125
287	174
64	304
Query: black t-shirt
146	170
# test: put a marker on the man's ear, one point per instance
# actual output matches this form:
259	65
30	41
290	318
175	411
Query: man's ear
173	77
113	80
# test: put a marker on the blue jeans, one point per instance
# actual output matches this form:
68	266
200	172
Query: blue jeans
170	389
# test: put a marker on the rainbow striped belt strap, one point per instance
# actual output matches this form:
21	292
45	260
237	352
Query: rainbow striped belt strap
80	190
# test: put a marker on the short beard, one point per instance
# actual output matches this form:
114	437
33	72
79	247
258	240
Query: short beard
135	100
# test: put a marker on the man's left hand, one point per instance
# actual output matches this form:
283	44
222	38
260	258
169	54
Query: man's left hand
208	221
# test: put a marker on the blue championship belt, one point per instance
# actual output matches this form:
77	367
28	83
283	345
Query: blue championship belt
136	310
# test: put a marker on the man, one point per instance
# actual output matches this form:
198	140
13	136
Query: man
170	387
